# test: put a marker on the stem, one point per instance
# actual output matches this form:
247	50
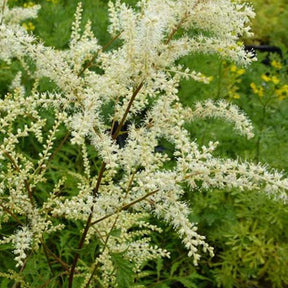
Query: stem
112	227
114	118
100	175
17	284
180	24
49	280
125	207
47	257
109	215
54	256
11	214
94	57
103	165
258	143
174	31
96	189
26	183
40	169
91	277
87	226
80	245
219	82
104	247
116	133
58	148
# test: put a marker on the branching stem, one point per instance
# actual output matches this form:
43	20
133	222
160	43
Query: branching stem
96	189
95	56
125	207
11	214
103	165
87	226
122	122
26	183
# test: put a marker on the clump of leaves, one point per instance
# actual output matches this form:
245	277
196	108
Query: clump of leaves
250	252
270	24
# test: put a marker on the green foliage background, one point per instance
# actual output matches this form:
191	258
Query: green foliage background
248	230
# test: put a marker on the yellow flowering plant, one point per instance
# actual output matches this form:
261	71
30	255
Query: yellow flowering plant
264	88
272	84
232	78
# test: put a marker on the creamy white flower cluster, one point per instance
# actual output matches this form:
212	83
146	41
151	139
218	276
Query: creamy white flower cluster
223	110
13	16
138	81
22	242
10	18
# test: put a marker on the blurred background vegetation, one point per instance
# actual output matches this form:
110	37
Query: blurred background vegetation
248	230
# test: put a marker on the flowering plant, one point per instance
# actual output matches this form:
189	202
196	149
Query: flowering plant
120	104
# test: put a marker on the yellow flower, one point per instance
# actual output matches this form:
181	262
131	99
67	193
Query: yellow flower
265	78
258	91
276	64
285	87
282	92
28	5
275	80
210	78
233	68
28	26
240	72
254	87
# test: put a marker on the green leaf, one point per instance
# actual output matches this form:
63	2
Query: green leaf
124	272
162	285
174	267
159	266
188	283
